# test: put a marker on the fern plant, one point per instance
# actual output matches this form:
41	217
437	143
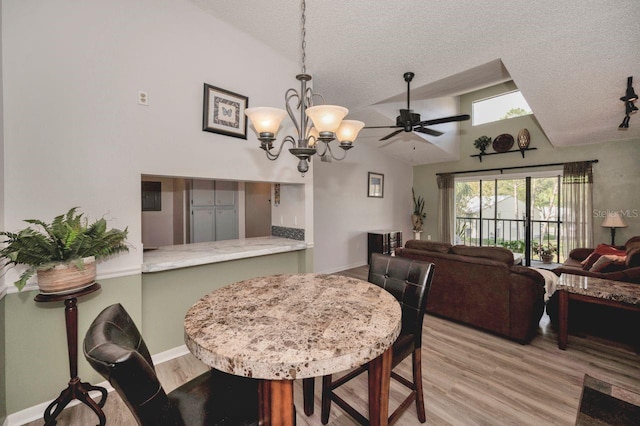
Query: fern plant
68	238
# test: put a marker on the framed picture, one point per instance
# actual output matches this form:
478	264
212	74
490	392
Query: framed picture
223	112
376	185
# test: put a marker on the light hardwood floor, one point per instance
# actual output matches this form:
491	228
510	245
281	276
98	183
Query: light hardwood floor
470	378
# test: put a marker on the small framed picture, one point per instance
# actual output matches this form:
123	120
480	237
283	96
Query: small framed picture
376	185
223	112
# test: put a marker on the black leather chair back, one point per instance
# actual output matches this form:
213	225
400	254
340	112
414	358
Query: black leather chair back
114	348
409	282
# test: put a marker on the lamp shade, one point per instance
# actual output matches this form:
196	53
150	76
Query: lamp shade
614	220
266	119
348	130
326	118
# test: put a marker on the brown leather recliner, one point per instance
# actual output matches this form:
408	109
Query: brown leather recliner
115	349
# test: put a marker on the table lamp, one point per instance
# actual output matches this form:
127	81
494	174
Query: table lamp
613	221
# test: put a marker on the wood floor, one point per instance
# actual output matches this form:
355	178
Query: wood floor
470	378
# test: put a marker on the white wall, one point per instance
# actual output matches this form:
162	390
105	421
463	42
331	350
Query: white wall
74	133
290	212
157	226
343	214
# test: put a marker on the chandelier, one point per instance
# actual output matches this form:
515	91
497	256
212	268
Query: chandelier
316	126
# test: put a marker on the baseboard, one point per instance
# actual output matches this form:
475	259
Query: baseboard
341	268
35	412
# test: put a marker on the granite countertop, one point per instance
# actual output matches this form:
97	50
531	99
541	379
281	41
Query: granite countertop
618	291
292	326
185	255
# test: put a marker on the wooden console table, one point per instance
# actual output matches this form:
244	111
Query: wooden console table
76	389
617	294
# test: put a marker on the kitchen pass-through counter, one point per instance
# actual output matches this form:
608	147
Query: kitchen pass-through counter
186	255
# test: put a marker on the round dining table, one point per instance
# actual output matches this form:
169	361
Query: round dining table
284	327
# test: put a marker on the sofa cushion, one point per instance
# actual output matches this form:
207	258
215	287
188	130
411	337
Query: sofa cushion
436	246
499	254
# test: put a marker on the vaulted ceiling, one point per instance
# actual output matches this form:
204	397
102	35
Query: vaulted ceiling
570	58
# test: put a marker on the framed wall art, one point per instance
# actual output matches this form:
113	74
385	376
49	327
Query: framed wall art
376	185
223	112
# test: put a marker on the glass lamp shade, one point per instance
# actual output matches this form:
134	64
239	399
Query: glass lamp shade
326	118
348	130
313	137
266	119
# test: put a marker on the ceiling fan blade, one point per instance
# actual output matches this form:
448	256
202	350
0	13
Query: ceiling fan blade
390	135
428	131
461	117
380	127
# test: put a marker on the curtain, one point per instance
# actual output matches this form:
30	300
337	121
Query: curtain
446	207
576	206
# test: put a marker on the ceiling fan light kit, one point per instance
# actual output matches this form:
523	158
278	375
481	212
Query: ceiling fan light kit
629	100
317	125
409	121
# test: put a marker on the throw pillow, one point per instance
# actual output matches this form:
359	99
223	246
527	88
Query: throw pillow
609	263
601	250
590	260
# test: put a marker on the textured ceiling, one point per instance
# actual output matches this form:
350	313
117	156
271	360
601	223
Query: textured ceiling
570	59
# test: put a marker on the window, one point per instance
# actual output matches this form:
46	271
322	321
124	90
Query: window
520	213
501	107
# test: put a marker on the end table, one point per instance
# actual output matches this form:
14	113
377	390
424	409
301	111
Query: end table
76	389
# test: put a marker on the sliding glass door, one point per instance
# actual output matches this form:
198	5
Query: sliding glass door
520	213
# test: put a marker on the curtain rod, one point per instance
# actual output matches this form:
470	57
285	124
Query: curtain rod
502	169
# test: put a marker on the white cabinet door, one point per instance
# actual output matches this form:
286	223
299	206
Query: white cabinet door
202	193
225	193
202	225
226	223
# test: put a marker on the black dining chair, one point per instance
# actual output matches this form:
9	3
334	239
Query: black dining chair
115	349
409	282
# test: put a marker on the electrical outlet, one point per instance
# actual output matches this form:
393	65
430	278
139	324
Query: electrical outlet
143	98
429	237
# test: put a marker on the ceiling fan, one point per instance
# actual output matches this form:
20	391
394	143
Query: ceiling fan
408	121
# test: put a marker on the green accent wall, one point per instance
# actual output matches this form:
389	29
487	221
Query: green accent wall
36	362
3	350
167	295
616	176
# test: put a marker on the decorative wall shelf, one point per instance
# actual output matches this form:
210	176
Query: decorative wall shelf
506	152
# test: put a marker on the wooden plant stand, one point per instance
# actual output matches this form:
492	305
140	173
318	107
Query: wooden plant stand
76	389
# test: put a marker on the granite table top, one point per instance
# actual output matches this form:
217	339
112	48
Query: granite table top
182	256
618	291
292	326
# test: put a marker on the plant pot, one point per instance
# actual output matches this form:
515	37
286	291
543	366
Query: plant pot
65	277
547	258
416	235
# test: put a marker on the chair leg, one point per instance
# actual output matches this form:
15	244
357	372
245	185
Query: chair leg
326	399
308	386
417	382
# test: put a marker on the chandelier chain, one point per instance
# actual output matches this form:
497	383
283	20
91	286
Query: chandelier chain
304	35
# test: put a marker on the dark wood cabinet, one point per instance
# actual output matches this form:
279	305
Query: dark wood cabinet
384	242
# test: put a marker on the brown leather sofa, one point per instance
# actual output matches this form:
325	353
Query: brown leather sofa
629	271
481	287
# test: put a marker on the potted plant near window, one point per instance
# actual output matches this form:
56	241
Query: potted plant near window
418	215
546	252
482	143
62	253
